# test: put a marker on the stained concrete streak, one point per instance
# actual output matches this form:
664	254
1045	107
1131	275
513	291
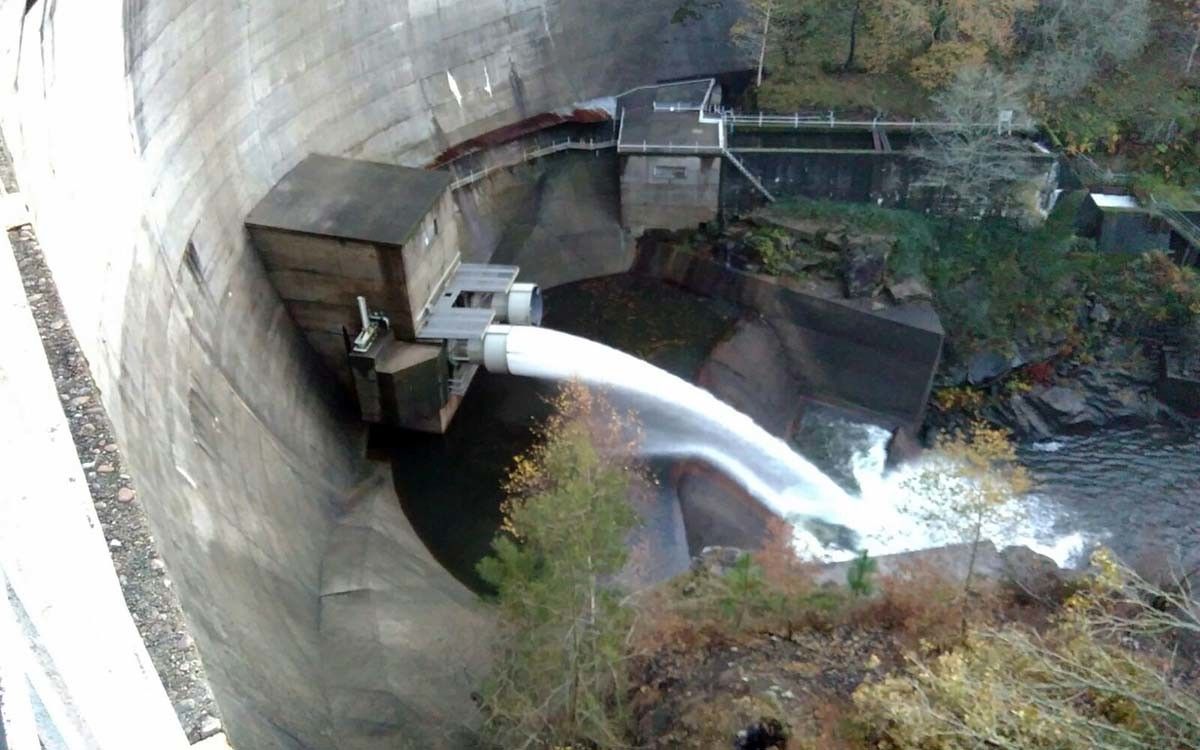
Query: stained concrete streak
145	582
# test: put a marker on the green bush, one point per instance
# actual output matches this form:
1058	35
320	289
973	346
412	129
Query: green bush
860	575
559	677
743	590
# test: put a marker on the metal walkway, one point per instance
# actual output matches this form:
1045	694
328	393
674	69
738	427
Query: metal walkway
529	155
757	183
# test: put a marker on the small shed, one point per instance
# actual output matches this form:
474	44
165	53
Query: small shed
334	229
1120	224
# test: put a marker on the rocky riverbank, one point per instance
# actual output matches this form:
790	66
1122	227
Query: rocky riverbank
1082	349
1038	401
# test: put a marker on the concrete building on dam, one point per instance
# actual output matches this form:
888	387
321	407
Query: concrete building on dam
142	137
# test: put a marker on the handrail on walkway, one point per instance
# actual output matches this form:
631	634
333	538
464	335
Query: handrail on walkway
528	155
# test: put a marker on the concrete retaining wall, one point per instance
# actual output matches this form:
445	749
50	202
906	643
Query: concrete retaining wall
891	180
141	128
669	192
836	350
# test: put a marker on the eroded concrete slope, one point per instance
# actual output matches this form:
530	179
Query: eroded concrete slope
143	132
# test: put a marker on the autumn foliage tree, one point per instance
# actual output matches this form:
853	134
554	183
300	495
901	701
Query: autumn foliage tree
931	39
939	37
971	493
559	674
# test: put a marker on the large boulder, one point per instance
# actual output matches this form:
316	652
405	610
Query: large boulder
1069	404
1118	390
1019	565
808	230
912	289
864	265
986	366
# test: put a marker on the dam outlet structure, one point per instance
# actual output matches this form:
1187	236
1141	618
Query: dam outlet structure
227	204
143	137
368	260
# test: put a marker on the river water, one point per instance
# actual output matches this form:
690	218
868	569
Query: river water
1135	490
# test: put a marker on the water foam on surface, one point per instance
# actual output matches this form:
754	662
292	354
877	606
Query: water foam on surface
886	527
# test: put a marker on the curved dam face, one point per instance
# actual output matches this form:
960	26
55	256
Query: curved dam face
142	133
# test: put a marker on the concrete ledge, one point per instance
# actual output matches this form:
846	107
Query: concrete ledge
76	646
835	349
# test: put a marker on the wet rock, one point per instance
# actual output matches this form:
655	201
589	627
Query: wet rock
105	469
1060	400
903	446
985	366
1025	419
1031	571
125	495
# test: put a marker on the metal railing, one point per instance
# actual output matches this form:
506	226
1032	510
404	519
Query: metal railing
670	148
1181	223
830	121
528	155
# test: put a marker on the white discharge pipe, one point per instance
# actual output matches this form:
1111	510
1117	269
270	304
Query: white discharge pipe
681	419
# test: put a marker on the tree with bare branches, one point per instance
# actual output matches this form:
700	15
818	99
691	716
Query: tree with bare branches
1072	41
972	152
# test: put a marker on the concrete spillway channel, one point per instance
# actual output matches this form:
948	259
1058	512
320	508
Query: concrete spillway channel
142	135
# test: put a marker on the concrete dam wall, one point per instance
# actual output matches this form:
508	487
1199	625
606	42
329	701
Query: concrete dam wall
142	133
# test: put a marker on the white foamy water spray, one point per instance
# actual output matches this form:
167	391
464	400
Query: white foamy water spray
683	420
891	504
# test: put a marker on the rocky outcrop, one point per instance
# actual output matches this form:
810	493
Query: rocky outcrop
1088	398
912	289
1016	564
864	265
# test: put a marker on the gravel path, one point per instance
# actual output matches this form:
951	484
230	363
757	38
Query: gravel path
143	574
